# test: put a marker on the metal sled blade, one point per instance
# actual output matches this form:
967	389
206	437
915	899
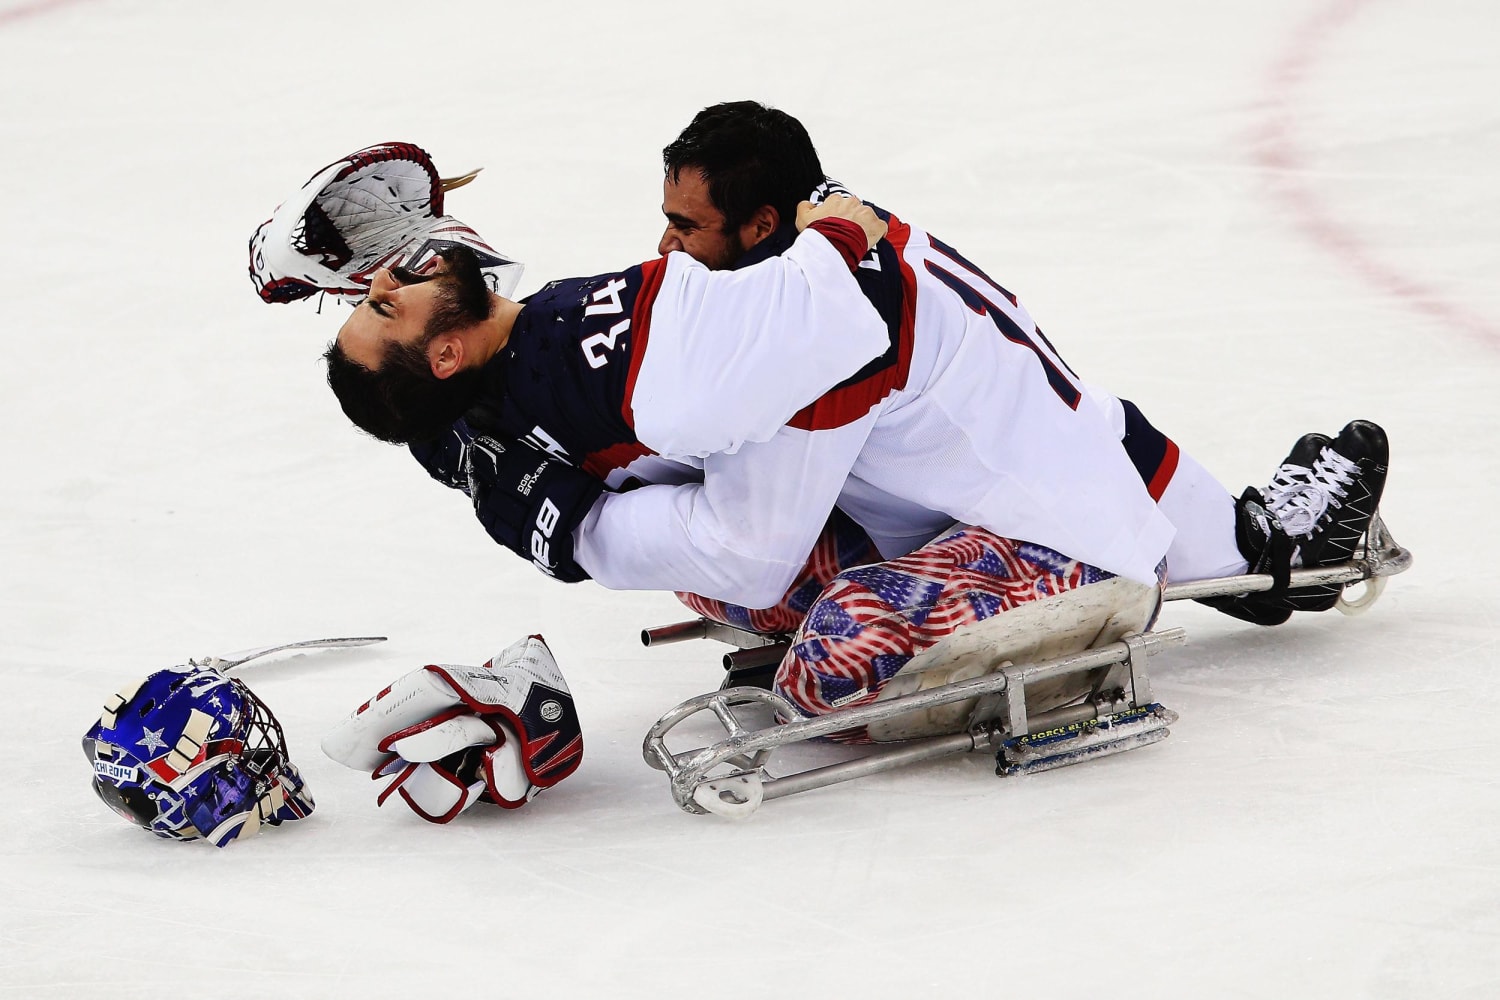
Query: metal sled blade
1079	741
231	660
739	762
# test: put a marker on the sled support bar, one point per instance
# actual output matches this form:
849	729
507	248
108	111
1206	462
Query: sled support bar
1381	557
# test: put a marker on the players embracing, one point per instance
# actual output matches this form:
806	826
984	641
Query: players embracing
811	415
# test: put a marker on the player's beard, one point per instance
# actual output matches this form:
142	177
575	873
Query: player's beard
733	249
463	298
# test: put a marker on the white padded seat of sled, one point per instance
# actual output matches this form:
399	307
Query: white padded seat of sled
1093	615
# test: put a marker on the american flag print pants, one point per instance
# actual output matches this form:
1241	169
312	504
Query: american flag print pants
867	621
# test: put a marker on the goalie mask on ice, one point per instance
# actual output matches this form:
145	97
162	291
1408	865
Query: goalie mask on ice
378	207
190	754
449	736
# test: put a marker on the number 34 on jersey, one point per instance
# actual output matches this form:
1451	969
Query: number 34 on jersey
605	302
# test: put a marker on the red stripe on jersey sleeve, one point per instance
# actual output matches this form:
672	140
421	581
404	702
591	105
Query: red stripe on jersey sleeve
1164	472
652	273
846	235
847	403
601	463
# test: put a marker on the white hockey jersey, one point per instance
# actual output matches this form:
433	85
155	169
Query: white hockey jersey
961	412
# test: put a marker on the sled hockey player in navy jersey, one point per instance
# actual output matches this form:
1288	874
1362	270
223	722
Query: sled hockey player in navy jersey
807	417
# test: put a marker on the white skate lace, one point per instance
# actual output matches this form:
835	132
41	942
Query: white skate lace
1299	497
1289	481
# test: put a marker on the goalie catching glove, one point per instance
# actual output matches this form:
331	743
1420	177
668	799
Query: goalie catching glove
379	207
445	737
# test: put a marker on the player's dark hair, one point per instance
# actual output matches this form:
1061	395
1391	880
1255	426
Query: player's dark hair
403	401
750	155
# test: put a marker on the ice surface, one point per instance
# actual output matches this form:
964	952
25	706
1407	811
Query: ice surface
1253	219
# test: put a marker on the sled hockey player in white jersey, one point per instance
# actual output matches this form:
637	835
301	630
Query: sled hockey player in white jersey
751	406
738	166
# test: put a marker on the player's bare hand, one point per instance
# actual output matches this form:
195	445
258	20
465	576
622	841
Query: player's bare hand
843	207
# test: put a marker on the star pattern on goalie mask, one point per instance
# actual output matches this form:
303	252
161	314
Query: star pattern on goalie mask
152	740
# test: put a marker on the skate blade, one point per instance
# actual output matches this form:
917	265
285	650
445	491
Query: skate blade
1080	741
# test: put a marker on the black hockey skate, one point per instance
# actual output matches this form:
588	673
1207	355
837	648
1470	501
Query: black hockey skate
1314	512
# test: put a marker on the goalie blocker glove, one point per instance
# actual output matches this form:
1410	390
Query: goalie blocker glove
445	737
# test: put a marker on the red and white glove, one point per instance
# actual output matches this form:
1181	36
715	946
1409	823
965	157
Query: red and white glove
450	736
378	207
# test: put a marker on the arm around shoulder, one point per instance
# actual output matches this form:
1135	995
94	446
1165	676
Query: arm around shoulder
733	355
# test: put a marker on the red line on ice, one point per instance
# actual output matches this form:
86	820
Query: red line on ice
32	10
1276	150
